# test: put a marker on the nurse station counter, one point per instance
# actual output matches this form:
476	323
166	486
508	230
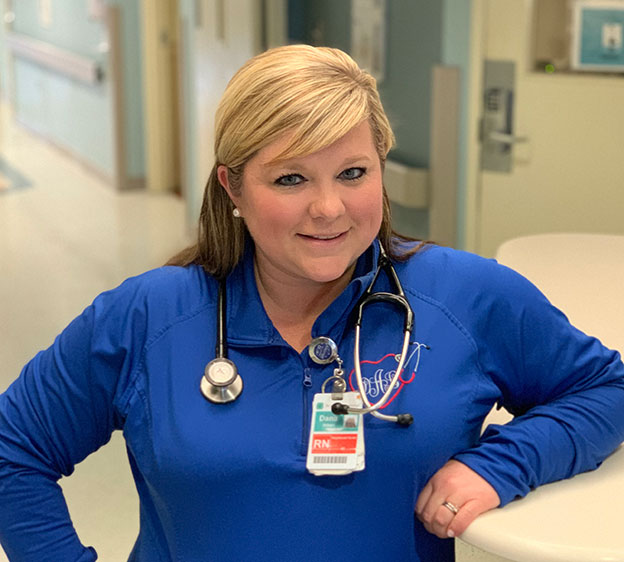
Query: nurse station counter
580	519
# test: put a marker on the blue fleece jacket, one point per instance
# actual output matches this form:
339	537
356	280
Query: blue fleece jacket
229	483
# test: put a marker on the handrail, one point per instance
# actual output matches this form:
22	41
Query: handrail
56	58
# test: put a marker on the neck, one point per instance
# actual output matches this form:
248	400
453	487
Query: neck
293	306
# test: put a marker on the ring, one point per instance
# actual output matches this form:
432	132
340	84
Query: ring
451	507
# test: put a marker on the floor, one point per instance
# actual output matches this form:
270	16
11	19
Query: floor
65	236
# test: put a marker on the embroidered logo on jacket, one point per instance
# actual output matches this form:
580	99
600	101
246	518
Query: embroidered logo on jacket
377	375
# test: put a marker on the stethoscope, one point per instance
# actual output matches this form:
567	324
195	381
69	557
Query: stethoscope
221	382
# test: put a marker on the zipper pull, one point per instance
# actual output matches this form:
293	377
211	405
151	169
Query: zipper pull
307	378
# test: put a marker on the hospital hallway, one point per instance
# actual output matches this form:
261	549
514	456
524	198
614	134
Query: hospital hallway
66	236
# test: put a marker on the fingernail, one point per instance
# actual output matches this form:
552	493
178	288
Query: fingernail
450	534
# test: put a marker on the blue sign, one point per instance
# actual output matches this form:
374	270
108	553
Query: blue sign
600	38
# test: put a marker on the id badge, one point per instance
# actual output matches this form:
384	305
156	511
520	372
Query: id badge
336	445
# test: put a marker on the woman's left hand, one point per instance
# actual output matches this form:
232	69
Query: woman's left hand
463	489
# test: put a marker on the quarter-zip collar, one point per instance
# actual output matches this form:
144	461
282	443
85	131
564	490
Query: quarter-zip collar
248	323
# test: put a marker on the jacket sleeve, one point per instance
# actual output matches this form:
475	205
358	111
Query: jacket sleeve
564	388
65	405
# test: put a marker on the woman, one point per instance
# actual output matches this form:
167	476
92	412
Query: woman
294	220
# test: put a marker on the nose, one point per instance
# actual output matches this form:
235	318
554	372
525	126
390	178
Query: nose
327	202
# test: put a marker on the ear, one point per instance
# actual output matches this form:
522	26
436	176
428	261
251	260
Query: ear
224	180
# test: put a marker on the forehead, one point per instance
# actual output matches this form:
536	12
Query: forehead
358	140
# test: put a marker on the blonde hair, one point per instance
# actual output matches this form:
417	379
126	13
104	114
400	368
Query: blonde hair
317	94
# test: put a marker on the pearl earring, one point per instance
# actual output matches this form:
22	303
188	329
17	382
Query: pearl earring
236	212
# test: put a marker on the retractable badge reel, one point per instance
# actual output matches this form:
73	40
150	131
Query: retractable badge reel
336	444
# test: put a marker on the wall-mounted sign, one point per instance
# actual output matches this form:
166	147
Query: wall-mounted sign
598	35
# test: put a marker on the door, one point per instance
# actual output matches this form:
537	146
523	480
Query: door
568	174
216	38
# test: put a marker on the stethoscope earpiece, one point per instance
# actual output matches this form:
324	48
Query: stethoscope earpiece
339	409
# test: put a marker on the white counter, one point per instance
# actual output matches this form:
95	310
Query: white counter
576	520
582	274
580	519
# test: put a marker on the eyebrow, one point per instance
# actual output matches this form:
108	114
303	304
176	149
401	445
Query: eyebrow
295	163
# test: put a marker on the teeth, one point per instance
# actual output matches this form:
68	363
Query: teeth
326	237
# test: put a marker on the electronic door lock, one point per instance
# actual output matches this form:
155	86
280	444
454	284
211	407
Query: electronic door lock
497	122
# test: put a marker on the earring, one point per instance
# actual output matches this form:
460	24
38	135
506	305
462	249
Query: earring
236	212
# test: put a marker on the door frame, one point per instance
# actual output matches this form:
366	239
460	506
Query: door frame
160	30
275	18
472	207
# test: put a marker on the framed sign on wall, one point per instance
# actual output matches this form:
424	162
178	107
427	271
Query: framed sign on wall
598	36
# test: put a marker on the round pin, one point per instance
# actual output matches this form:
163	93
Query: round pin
323	350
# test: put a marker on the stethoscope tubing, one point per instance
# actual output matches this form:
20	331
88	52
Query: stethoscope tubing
368	298
223	391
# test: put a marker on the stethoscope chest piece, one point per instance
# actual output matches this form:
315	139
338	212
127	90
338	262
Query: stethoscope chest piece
221	382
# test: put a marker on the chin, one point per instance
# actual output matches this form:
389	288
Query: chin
324	278
329	273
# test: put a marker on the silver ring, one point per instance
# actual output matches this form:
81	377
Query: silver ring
451	507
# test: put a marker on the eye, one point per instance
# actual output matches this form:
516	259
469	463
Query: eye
289	180
351	174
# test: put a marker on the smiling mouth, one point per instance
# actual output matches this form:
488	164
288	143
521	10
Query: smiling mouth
322	236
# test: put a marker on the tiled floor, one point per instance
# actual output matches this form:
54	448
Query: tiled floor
65	236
